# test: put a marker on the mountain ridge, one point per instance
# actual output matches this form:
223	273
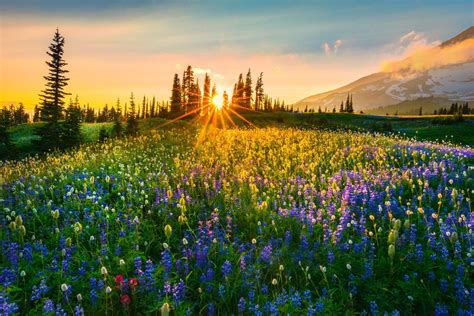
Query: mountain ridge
453	82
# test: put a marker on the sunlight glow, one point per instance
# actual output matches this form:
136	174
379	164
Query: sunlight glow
218	101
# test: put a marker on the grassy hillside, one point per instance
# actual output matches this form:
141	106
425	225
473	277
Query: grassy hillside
422	128
411	107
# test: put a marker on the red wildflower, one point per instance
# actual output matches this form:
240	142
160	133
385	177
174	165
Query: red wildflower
118	281
125	300
133	283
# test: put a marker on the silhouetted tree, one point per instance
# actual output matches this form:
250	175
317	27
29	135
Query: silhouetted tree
52	97
188	85
132	124
248	91
206	98
117	128
103	135
259	93
71	134
36	114
225	100
176	95
7	149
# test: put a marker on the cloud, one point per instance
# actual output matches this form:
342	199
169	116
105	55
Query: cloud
424	56
329	50
410	43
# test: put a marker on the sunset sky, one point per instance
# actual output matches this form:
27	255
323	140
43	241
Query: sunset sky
302	47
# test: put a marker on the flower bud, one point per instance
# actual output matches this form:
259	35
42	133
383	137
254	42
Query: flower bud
168	231
165	309
391	251
103	270
22	230
12	226
398	224
19	220
392	236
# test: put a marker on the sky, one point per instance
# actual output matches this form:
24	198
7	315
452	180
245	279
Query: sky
115	47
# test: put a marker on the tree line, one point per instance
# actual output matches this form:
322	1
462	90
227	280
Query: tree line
188	98
455	108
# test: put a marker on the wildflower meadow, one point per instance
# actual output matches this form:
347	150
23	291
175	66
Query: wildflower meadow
268	221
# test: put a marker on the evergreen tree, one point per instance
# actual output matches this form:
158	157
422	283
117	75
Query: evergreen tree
420	113
152	108
248	90
206	98
103	135
132	124
351	106
71	134
176	96
259	93
347	105
117	128
334	110
319	110
143	114
7	149
52	97
225	100
194	97
188	88
341	108
36	114
240	92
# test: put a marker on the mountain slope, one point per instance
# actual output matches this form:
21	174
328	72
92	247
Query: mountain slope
443	72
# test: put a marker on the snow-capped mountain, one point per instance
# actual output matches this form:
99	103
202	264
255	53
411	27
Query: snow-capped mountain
445	71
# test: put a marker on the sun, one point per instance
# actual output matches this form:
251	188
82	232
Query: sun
217	101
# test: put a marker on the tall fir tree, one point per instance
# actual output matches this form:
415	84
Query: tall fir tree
206	98
132	124
225	100
117	128
36	114
176	96
52	97
248	90
188	86
72	127
259	93
240	92
7	149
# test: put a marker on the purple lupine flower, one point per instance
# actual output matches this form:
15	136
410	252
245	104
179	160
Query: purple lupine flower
266	254
48	307
241	305
179	291
226	269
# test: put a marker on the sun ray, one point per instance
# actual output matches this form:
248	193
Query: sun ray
243	118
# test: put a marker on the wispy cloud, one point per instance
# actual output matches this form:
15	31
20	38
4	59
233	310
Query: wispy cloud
332	49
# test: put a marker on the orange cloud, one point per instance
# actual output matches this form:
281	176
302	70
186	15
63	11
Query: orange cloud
425	57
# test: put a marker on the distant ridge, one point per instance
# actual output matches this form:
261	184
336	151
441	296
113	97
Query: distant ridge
450	82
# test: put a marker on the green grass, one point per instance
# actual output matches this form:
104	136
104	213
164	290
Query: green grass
421	128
